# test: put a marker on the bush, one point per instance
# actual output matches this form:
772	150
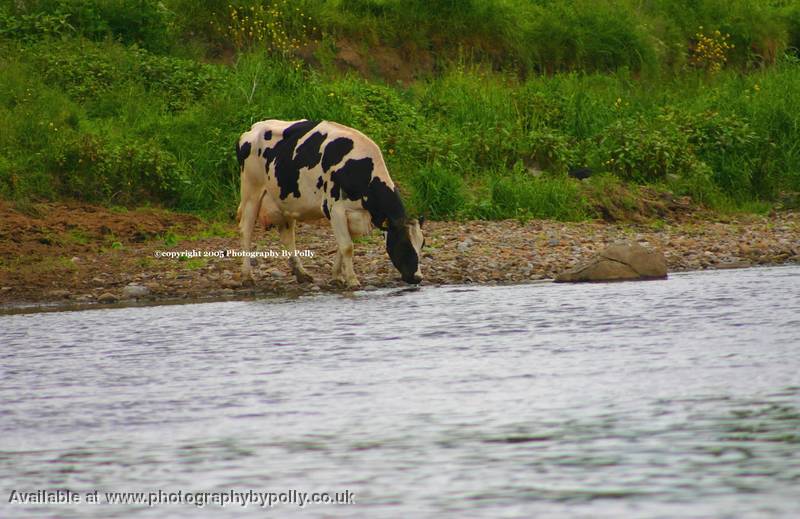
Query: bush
699	185
552	150
147	23
641	150
86	167
31	27
516	194
728	148
438	192
86	70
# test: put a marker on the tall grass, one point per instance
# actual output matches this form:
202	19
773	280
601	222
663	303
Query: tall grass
96	109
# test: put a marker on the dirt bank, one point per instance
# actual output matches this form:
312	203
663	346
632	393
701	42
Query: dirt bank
85	254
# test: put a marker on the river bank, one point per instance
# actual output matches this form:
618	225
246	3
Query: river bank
87	255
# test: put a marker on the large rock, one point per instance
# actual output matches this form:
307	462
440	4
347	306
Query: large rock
620	262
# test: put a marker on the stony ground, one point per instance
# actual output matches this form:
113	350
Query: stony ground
80	254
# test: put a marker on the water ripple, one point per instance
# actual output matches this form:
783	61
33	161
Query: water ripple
668	398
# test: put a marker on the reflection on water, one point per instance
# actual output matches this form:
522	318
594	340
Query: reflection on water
672	398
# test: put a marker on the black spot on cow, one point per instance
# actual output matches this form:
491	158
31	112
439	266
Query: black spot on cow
353	179
384	205
308	153
325	186
242	152
267	135
325	210
335	152
319	182
259	152
287	167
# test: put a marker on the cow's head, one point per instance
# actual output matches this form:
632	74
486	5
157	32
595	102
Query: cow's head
404	242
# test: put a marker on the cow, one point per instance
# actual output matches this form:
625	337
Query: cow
303	170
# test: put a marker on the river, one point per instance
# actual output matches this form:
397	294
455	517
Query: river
656	399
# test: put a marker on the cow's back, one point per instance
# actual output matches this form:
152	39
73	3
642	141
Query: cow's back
300	164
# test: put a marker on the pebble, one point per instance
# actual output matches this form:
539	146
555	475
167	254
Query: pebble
107	297
457	252
464	245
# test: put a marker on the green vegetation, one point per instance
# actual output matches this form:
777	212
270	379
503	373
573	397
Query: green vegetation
125	102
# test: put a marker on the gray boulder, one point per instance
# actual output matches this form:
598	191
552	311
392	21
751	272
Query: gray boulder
620	262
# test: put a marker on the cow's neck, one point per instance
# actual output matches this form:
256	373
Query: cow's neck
384	206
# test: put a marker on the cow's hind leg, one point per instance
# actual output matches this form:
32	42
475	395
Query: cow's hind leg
287	239
344	256
248	211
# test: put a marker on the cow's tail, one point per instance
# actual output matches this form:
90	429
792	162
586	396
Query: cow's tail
241	170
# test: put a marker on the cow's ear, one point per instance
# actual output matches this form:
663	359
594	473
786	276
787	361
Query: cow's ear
421	220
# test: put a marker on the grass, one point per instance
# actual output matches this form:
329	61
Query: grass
130	105
192	263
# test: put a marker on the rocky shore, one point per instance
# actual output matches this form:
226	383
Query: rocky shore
89	255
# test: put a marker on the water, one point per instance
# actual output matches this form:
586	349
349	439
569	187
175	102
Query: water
658	399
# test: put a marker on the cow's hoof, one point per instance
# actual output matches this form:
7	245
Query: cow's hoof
339	283
353	284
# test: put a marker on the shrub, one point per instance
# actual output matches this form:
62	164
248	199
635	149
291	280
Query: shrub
277	27
643	150
379	111
30	27
147	23
86	167
699	185
515	194
86	70
552	150
438	192
709	52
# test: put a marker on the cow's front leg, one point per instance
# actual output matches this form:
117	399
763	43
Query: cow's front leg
343	264
338	277
287	239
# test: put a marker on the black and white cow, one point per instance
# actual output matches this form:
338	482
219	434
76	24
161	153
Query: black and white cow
304	170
